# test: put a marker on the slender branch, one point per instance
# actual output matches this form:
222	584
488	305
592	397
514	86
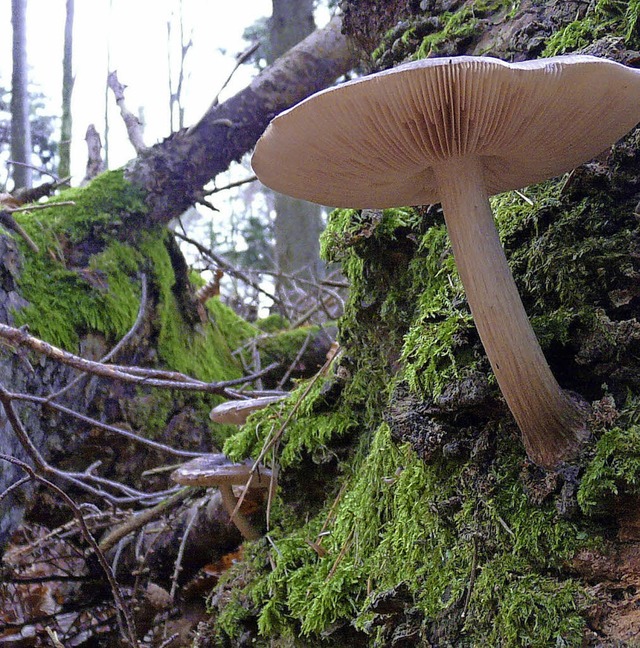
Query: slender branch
231	185
183	543
77	479
240	59
132	123
46	402
143	518
294	364
228	268
137	375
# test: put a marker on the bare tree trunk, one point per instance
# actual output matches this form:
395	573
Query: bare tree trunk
64	168
298	223
20	131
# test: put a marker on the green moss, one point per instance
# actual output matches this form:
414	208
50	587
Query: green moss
272	323
608	18
462	24
389	528
431	526
457	25
235	329
86	280
95	211
614	470
310	431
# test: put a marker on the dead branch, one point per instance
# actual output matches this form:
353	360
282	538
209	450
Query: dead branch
240	59
95	163
131	122
48	403
228	267
143	518
231	185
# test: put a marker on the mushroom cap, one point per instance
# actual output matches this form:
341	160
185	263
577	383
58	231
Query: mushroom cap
217	470
373	142
236	412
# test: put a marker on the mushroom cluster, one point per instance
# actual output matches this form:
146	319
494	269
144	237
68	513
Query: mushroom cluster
456	131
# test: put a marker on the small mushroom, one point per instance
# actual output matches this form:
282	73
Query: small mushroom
455	131
236	412
216	470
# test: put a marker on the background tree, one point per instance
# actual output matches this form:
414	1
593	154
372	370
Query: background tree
20	130
177	39
297	224
64	169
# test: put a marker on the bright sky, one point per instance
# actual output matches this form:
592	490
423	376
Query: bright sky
135	34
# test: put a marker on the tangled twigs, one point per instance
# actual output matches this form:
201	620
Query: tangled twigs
143	518
127	627
83	480
142	376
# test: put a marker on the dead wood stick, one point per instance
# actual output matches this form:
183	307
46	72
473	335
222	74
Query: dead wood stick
141	519
131	122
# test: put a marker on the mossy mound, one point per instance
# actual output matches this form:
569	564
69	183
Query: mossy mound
422	521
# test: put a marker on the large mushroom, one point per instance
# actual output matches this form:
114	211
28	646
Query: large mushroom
456	131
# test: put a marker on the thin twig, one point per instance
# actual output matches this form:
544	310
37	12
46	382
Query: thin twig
15	486
77	479
240	59
183	543
294	364
229	268
343	552
45	402
141	519
138	375
231	185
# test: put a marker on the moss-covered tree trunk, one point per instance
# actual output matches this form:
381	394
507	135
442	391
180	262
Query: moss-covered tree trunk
408	512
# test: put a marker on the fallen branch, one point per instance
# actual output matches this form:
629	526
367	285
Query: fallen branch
121	606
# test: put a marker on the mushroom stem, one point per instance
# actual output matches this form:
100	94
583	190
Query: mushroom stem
550	422
229	500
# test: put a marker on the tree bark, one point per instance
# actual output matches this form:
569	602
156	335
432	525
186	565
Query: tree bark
20	129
